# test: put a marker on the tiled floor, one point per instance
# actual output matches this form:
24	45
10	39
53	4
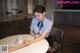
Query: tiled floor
71	42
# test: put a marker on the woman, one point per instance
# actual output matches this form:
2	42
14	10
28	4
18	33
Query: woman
41	26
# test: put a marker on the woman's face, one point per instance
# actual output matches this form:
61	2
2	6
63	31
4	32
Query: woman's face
40	16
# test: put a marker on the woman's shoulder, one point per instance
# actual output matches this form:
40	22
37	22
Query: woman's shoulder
48	20
34	19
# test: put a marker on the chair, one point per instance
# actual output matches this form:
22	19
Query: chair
57	38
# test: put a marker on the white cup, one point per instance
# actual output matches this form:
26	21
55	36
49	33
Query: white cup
19	40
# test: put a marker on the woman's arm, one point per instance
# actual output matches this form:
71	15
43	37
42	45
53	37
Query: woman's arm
10	49
37	38
32	33
40	37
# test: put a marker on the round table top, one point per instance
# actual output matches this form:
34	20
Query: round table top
11	40
38	47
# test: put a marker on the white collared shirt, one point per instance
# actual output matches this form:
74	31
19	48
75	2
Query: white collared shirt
47	25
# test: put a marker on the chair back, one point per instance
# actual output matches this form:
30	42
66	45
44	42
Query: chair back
57	34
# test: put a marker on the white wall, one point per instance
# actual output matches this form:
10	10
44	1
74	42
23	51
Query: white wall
51	5
50	9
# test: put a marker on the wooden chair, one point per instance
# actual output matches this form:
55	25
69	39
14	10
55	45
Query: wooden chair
57	38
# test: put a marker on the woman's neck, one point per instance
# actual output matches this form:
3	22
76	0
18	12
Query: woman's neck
42	18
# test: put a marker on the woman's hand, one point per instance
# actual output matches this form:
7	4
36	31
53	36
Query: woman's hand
27	42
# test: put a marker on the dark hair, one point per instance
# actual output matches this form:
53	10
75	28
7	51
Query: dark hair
39	9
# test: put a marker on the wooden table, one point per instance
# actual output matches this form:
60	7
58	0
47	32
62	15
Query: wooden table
38	47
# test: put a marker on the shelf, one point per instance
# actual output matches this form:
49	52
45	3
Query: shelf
66	10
